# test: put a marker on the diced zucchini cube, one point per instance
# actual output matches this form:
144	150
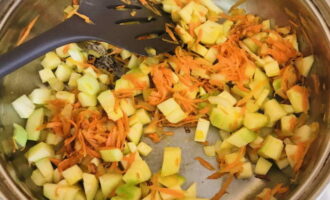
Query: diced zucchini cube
176	117
262	166
23	106
127	106
288	108
256	143
211	6
228	119
171	161
62	51
251	106
107	100
90	71
282	163
128	192
232	157
298	97
88	84
135	133
242	137
202	130
38	178
140	116
111	155
53	139
87	100
255	121
187	11
40	95
109	182
49	191
40	151
274	110
57	177
66	96
266	24
46	74
67	192
304	65
76	54
35	120
172	180
132	147
251	44
125	54
104	78
73	174
209	150
291	151
56	84
288	124
211	55
51	60
144	149
73	79
168	106
63	72
246	171
133	62
183	34
271	148
138	172
271	67
46	169
199	49
262	97
303	134
91	185
20	135
209	31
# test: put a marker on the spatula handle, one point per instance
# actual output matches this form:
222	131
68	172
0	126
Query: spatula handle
61	34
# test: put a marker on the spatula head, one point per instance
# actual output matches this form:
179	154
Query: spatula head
124	24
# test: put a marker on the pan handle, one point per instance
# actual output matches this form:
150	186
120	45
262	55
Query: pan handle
61	34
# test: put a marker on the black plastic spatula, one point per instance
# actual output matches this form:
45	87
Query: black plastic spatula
112	25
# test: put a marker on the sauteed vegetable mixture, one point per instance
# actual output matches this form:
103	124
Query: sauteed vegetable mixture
233	71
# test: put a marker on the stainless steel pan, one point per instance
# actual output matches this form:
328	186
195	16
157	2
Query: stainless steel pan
312	18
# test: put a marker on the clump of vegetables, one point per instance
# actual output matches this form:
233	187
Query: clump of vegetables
241	76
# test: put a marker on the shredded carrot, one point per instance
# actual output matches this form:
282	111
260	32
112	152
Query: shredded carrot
170	32
172	192
204	163
154	137
26	31
168	133
224	187
82	16
278	189
281	49
143	2
75	2
85	65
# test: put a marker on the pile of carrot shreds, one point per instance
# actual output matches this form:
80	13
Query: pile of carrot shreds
87	131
